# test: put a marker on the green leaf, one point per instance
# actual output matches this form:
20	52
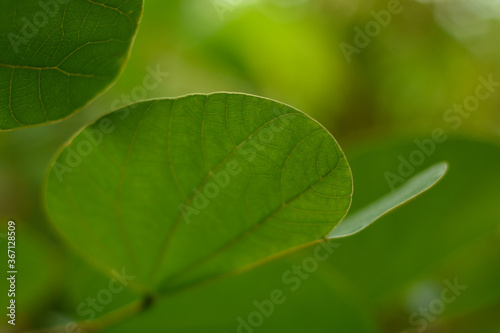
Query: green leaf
57	55
181	191
361	219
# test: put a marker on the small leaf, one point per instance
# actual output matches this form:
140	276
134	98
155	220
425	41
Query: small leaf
361	219
57	55
179	191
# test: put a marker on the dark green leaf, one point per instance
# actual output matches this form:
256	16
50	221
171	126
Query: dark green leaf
57	55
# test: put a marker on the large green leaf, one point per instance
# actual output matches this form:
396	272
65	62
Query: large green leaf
179	191
57	55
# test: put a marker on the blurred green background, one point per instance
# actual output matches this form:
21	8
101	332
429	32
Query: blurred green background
399	87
